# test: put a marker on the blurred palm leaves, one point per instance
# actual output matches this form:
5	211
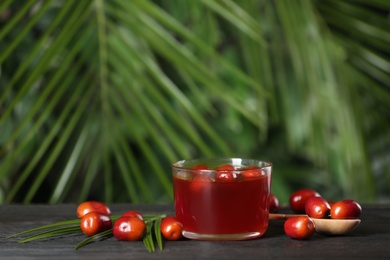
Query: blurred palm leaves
97	98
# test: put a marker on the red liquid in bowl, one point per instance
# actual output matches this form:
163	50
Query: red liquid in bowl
217	208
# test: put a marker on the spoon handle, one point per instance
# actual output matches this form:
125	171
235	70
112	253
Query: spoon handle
284	216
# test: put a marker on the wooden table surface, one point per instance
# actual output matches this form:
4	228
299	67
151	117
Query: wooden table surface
370	240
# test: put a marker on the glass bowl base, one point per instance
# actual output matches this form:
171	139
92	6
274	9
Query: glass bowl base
220	237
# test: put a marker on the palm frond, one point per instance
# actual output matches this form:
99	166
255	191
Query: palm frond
97	98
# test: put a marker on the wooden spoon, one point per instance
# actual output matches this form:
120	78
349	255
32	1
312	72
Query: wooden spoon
325	226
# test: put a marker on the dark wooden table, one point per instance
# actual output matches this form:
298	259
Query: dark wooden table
371	240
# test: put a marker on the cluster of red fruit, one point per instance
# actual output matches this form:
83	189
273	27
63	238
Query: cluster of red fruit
311	203
130	226
226	173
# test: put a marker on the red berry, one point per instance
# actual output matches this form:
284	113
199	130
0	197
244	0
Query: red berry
226	167
251	174
94	222
274	205
225	173
90	206
225	176
197	169
317	207
133	213
171	228
345	209
129	228
200	183
301	227
298	199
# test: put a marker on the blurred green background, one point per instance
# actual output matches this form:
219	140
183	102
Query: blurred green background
99	97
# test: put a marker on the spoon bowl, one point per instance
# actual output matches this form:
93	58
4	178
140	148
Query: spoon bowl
325	226
335	226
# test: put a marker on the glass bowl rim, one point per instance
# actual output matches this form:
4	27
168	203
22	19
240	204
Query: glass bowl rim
174	165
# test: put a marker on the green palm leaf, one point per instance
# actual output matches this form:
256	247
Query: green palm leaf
97	98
